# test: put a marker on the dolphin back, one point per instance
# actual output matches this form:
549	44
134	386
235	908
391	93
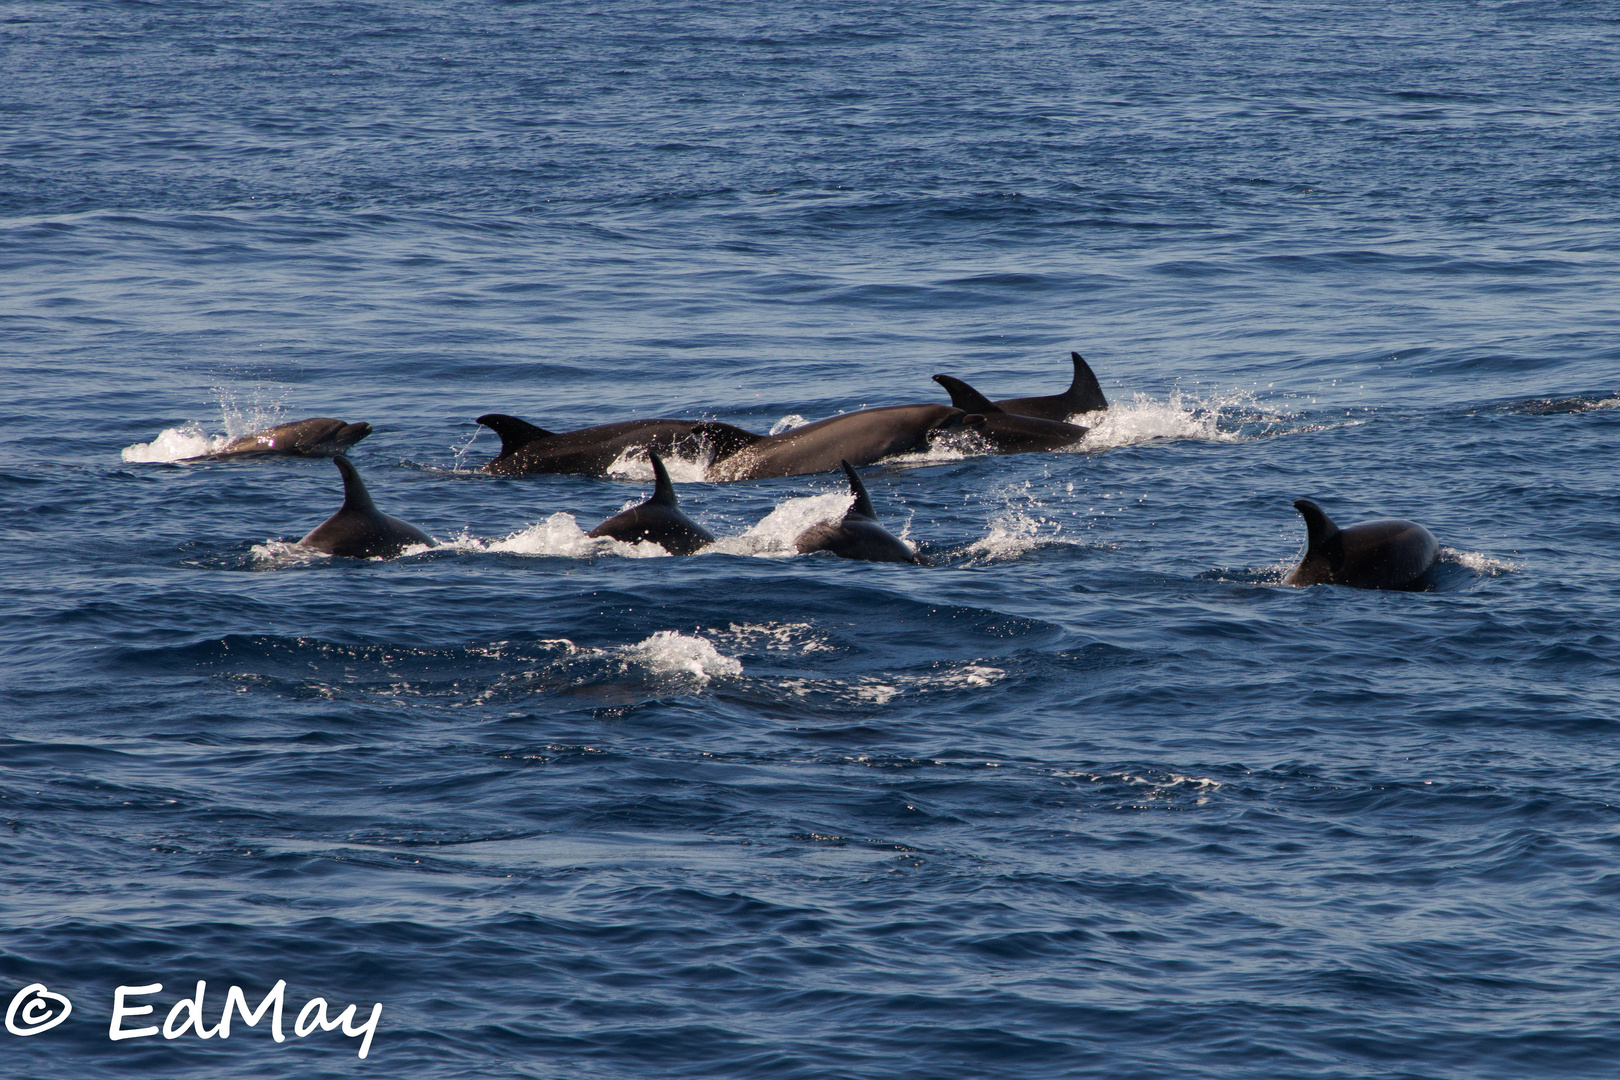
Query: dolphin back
359	530
1387	554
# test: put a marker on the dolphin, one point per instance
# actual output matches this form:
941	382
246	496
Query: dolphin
320	436
1083	395
862	437
527	449
1389	554
659	519
359	530
871	434
1008	431
858	535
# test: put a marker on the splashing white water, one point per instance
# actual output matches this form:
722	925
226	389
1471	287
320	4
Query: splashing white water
773	537
1481	563
882	689
634	464
1125	423
173	444
241	412
788	423
561	535
671	653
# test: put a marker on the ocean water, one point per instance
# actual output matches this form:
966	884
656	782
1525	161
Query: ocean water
1093	795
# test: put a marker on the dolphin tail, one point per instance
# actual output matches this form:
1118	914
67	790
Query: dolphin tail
966	398
355	496
724	439
664	491
1319	528
863	501
514	433
1085	392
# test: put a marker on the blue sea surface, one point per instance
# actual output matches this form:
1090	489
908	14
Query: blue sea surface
1093	795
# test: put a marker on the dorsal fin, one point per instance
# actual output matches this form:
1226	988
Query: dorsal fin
355	496
663	491
863	501
514	433
964	397
1085	392
1319	528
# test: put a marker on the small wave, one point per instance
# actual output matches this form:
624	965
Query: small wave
1150	789
472	675
800	637
882	689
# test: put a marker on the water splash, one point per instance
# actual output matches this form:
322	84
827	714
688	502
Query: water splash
669	652
174	444
773	537
241	412
1481	563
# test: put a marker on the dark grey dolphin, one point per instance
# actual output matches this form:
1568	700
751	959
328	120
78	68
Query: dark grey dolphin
1010	432
320	436
527	449
1372	555
858	535
1083	395
862	437
871	434
659	519
359	530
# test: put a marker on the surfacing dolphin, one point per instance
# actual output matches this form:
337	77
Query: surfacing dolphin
1083	395
1002	428
319	436
1389	554
862	437
359	530
872	434
658	520
858	535
526	449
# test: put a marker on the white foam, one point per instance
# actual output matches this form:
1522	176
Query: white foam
173	444
788	423
773	537
277	554
634	464
1125	423
241	412
671	653
1481	563
560	535
778	637
880	690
